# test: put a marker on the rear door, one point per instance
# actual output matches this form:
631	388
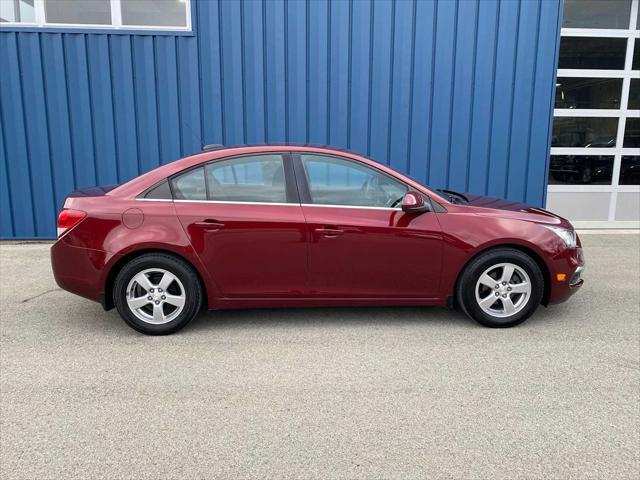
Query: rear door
362	245
244	220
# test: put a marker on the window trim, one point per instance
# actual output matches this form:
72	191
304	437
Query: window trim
115	27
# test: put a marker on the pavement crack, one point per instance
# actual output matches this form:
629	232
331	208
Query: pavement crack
39	295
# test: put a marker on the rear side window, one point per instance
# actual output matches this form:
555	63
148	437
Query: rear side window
190	185
258	178
159	192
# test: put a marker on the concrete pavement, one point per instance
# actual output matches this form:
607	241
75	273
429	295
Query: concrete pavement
321	393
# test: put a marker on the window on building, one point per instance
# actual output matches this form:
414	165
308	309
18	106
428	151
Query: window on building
596	13
20	11
595	145
592	53
632	133
126	14
580	170
588	132
630	170
96	12
588	92
634	94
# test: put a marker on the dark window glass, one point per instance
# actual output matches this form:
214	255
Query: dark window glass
630	170
580	169
592	53
160	192
96	12
336	181
632	133
596	13
634	94
588	92
190	185
636	55
593	132
258	178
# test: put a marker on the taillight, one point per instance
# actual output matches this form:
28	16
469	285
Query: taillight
68	219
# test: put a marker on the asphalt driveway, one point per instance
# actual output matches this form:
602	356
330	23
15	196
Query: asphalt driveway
321	393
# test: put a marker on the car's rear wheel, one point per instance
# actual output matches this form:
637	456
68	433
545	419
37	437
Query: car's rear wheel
501	288
157	294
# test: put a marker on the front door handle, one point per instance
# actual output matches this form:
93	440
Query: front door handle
209	225
329	231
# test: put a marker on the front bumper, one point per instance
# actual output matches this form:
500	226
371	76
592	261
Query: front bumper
576	279
565	271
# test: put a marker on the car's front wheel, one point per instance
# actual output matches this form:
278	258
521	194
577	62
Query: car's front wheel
157	294
501	288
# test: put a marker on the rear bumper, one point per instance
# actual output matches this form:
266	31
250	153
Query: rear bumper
569	263
80	270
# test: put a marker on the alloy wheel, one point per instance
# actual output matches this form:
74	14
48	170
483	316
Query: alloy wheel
155	296
503	290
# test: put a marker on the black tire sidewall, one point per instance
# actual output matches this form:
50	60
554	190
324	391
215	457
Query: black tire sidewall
180	269
467	284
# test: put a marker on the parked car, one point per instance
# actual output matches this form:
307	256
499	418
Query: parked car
292	226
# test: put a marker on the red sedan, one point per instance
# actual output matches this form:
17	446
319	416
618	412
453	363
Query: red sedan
290	226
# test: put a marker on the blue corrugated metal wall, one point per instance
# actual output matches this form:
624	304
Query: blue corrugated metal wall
454	93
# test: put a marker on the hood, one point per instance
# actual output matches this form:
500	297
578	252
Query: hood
495	203
505	208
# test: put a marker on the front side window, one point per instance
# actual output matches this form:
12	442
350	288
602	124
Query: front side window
336	181
126	14
258	178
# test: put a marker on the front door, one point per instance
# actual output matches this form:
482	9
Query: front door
362	245
245	222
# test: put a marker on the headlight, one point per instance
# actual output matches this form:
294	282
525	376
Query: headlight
567	235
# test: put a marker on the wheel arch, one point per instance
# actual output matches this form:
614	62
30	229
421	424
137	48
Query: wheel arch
106	297
535	256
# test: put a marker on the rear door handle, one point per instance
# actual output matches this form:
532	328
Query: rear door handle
209	225
329	231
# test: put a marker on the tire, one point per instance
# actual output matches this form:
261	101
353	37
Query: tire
147	307
513	302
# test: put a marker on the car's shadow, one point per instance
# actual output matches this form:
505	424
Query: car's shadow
325	316
320	317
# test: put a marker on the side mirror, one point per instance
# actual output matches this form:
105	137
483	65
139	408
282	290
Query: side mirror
413	202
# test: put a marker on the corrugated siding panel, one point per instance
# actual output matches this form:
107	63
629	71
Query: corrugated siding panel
457	94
